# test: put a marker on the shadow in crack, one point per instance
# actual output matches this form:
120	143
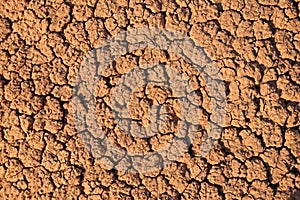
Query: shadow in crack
295	195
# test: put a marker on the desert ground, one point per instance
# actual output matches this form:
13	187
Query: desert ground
254	45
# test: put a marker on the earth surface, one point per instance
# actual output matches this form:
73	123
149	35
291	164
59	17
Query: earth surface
255	46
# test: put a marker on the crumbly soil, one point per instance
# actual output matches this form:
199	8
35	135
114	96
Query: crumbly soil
254	43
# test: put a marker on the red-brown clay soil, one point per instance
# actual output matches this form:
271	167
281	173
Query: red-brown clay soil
255	45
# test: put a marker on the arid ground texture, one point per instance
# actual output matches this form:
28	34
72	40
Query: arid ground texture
255	46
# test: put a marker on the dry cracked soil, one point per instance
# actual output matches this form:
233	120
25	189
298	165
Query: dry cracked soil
255	45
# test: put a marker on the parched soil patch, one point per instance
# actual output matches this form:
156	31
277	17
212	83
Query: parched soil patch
255	45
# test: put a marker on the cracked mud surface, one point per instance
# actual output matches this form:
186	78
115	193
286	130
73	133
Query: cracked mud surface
254	43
